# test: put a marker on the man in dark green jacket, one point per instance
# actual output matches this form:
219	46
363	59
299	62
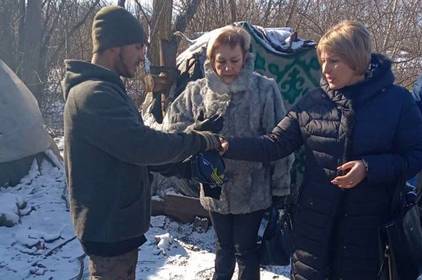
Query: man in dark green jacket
108	149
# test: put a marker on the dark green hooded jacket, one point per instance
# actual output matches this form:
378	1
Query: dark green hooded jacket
107	153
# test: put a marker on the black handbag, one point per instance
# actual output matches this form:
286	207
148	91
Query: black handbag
402	236
275	238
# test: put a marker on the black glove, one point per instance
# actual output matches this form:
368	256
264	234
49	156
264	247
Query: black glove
213	124
212	191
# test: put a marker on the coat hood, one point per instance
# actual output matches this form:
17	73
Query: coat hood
347	99
78	71
377	77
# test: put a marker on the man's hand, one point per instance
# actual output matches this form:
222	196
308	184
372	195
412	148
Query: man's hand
211	140
213	124
355	172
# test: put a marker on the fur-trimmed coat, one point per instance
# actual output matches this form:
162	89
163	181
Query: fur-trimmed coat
251	106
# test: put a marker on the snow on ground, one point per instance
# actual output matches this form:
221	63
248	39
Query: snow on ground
42	246
24	247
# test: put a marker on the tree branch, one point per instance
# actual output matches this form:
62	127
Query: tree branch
183	19
233	10
147	18
47	37
74	29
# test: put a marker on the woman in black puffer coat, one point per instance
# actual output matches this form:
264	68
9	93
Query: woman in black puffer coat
361	133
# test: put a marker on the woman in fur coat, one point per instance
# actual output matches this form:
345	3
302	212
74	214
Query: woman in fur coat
251	105
361	134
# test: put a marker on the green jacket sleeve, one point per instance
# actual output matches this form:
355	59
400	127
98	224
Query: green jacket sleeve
107	119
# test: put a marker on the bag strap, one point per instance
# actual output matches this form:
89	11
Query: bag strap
263	226
399	200
385	270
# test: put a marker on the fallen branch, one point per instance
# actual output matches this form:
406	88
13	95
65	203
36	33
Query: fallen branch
204	270
49	253
34	253
59	246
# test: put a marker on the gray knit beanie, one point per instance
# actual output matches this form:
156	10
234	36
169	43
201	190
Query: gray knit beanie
114	26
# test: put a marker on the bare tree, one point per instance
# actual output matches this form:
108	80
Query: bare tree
164	44
8	44
38	34
31	48
233	10
42	42
395	25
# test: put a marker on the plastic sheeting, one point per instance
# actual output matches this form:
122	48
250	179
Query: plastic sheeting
22	132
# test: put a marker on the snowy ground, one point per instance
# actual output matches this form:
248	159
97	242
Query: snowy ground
40	245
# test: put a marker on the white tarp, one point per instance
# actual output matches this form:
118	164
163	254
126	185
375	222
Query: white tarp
22	131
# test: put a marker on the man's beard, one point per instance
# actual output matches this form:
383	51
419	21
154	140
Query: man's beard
123	68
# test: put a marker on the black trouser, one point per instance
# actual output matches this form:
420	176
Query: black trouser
236	241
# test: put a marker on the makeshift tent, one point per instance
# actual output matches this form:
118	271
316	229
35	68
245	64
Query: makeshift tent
279	54
23	136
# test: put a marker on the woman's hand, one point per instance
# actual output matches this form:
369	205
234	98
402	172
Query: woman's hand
355	172
224	146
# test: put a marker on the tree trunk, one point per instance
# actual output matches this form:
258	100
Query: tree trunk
160	27
292	13
21	37
161	54
233	10
31	49
184	18
7	42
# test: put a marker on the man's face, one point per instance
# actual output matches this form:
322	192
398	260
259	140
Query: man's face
128	59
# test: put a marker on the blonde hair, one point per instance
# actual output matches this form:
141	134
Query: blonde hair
228	35
351	41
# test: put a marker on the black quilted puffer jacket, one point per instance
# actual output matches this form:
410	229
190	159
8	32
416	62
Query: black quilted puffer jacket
336	230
